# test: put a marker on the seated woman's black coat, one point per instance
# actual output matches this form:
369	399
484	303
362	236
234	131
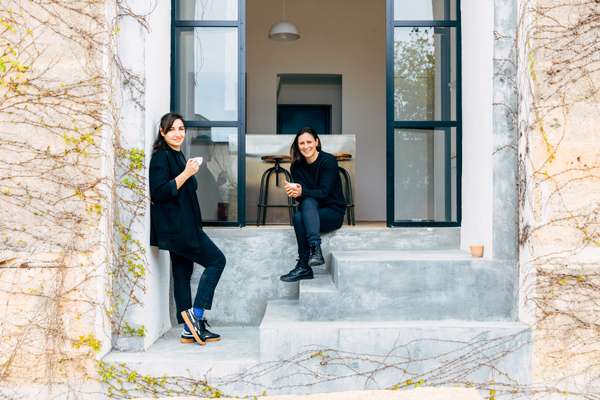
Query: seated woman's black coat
175	214
320	181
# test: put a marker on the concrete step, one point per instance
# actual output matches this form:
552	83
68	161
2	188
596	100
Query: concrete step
344	239
411	285
386	352
321	284
219	362
238	348
318	298
359	238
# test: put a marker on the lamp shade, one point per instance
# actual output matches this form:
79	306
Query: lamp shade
284	31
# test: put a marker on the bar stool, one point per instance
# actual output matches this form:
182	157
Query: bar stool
347	187
263	195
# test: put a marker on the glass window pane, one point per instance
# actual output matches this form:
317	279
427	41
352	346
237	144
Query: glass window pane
208	10
424	74
424	10
208	74
217	177
425	175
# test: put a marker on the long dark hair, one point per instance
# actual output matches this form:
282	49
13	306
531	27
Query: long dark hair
166	122
295	150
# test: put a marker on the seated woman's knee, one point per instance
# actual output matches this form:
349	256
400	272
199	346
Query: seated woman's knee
309	203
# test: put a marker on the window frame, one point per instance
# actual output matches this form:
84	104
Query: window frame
183	25
392	124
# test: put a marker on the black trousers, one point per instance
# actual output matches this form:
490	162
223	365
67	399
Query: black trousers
310	220
212	259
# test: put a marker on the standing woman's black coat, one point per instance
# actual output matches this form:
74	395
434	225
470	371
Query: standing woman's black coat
175	214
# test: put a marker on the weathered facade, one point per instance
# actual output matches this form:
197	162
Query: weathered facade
56	146
82	88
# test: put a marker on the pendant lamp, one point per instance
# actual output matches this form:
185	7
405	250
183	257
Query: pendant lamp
284	30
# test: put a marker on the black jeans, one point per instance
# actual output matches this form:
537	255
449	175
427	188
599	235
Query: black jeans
310	221
212	259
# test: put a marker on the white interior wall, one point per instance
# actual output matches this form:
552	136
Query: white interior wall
477	88
345	37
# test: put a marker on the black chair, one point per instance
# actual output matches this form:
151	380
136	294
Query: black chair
347	186
263	195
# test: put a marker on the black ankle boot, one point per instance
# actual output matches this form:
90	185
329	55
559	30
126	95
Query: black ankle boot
315	255
301	271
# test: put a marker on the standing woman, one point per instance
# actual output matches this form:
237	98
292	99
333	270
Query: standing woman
318	188
177	226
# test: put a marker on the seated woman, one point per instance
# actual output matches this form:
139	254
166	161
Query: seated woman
318	189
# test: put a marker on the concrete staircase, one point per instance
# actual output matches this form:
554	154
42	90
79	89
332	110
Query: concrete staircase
389	306
433	310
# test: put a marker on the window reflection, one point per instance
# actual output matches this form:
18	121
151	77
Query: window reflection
217	176
419	10
205	10
208	74
425	174
424	73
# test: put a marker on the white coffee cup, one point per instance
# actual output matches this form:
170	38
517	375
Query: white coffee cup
198	160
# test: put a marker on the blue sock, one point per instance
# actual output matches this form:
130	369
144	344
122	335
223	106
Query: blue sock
198	312
185	328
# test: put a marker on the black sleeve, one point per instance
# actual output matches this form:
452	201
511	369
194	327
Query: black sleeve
327	177
296	176
162	188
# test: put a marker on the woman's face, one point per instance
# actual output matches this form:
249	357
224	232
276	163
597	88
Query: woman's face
175	135
307	145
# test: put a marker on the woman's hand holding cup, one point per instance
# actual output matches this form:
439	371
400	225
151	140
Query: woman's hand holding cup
293	190
191	167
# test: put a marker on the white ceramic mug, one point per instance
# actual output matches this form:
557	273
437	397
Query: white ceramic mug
198	160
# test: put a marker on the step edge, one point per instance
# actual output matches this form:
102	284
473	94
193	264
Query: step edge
361	324
316	285
449	251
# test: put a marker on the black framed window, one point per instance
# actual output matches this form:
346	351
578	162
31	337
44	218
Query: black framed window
423	112
207	88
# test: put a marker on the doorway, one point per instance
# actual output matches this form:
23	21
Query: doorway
405	118
292	117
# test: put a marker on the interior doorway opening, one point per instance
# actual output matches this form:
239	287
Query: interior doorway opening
333	79
399	112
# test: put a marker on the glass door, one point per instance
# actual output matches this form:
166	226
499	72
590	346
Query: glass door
207	88
423	112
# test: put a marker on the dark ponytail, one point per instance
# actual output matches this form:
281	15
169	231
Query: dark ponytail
166	122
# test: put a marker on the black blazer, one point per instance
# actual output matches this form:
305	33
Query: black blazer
174	214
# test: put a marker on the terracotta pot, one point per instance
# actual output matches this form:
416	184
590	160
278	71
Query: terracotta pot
476	250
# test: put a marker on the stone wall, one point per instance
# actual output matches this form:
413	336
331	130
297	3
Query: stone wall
560	189
55	194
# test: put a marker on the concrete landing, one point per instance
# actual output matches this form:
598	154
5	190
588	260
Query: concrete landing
238	349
